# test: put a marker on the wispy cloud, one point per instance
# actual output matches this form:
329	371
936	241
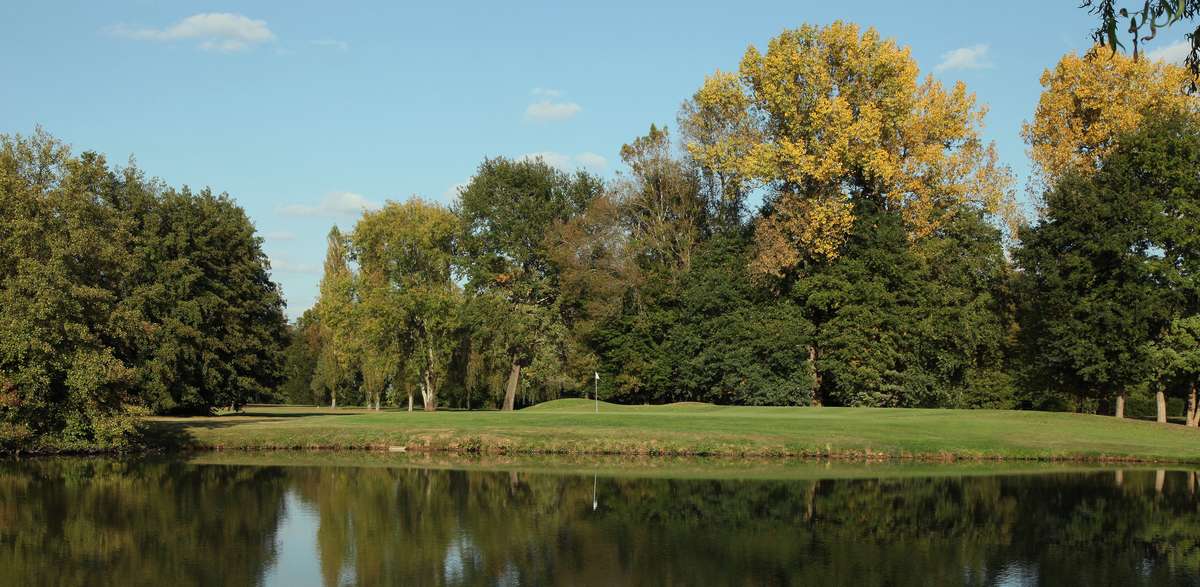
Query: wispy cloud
550	108
331	44
285	265
334	204
224	32
280	235
566	162
973	57
1173	53
451	192
591	160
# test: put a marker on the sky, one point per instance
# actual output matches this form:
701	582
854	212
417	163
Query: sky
308	112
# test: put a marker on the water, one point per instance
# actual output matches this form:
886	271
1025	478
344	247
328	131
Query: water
395	522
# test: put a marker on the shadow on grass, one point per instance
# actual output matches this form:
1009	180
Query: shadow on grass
167	436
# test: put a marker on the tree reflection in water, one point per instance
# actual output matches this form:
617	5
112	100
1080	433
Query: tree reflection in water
101	522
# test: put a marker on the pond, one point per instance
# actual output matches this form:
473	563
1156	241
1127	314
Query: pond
395	520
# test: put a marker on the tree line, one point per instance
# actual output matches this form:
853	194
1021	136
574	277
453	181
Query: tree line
824	226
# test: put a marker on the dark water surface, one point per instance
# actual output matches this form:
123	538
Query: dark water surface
179	523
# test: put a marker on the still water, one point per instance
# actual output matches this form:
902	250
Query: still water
179	523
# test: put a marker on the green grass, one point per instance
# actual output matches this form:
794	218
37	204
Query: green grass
571	427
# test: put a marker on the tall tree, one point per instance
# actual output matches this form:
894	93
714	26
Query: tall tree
1114	261
1088	101
63	257
505	212
410	301
831	115
336	368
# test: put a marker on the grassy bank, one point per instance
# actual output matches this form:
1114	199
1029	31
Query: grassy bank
571	427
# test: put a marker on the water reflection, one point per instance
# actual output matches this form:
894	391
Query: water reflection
100	522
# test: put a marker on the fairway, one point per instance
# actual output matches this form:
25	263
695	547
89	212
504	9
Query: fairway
572	427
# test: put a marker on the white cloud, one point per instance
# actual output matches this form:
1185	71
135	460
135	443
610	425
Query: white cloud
216	31
551	111
451	192
973	57
332	44
549	107
332	205
1173	53
565	162
591	160
550	157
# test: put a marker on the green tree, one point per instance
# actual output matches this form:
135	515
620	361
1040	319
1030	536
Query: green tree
506	212
1113	262
336	369
63	258
410	304
213	325
300	359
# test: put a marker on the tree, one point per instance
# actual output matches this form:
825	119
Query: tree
410	302
829	116
213	327
336	369
506	212
1154	14
1088	101
1175	359
300	359
63	257
1114	261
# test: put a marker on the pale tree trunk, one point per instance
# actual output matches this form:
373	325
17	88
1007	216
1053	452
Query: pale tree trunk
1120	412
1119	478
1160	399
1160	479
333	400
1193	418
410	399
429	389
510	389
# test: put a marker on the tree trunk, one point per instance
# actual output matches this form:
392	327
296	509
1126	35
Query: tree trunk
1120	412
427	394
333	400
1193	418
816	377
510	389
1160	398
410	399
1160	480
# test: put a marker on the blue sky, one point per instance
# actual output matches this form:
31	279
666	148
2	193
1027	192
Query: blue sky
305	111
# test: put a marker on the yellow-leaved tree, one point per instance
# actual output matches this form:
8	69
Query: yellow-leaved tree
1090	100
831	116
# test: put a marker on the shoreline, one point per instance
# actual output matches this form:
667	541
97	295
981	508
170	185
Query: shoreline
570	428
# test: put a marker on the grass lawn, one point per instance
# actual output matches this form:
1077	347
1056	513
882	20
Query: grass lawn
571	427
